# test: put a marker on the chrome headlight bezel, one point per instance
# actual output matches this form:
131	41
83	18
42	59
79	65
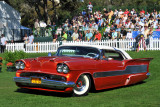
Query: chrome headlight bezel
62	68
65	69
59	68
20	65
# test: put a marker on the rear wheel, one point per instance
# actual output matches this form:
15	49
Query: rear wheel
83	86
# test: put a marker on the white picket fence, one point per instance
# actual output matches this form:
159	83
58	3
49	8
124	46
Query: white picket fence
42	47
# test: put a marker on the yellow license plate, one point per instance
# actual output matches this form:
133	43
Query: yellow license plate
36	80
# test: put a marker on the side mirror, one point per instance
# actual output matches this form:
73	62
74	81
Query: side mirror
96	57
49	54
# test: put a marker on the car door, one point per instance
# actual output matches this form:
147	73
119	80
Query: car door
110	72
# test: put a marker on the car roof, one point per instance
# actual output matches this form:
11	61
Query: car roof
101	47
95	46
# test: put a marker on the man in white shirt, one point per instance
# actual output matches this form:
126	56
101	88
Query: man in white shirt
120	13
90	6
75	35
3	43
107	31
129	34
31	39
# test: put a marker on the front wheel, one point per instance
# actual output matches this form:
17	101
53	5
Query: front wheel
83	85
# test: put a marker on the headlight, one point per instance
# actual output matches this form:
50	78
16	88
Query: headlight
65	69
17	65
59	68
62	68
20	65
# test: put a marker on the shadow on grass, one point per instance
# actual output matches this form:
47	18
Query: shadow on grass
110	89
44	93
65	95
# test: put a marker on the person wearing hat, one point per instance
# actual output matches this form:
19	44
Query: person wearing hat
140	39
90	6
120	13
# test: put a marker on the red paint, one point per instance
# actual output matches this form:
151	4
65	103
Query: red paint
79	66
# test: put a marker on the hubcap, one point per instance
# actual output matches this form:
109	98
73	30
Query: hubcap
79	84
82	85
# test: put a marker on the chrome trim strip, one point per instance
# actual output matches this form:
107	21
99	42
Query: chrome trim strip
131	69
47	82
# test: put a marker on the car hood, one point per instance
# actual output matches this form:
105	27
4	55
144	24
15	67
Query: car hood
50	63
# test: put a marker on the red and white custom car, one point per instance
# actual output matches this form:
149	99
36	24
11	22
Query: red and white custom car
74	69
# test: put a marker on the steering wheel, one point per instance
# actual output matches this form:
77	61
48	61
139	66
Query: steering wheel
91	54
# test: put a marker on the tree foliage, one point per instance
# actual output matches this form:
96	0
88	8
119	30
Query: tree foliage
53	11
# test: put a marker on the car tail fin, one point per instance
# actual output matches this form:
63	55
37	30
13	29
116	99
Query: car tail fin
140	61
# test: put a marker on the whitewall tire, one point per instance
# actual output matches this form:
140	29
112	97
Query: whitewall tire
83	86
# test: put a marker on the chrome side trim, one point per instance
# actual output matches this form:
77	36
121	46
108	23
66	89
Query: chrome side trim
131	69
46	82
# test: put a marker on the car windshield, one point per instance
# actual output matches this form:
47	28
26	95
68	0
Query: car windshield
77	51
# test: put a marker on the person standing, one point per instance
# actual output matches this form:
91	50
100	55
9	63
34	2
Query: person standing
107	31
3	43
88	36
97	36
64	37
75	36
129	34
37	26
25	40
90	6
114	35
31	39
123	33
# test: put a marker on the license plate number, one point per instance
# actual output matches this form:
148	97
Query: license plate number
36	80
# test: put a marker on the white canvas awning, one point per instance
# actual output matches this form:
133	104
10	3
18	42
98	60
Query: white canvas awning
9	17
9	22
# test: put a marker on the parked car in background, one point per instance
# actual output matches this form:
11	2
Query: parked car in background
74	69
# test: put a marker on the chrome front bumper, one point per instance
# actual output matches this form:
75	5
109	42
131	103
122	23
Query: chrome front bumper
44	82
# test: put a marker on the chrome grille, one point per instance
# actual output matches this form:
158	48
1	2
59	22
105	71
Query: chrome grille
43	75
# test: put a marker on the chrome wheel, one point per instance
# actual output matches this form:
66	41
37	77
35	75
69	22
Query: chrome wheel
83	85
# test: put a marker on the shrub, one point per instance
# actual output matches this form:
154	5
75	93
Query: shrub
13	56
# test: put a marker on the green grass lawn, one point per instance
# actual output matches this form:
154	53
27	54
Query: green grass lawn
145	94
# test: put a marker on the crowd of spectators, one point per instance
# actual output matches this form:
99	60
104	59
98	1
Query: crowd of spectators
112	24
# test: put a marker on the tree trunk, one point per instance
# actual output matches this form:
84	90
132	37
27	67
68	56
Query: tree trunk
38	11
46	17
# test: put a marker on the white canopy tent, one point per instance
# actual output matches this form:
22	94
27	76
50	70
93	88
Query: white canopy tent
9	21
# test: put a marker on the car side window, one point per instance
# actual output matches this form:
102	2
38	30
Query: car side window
115	55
